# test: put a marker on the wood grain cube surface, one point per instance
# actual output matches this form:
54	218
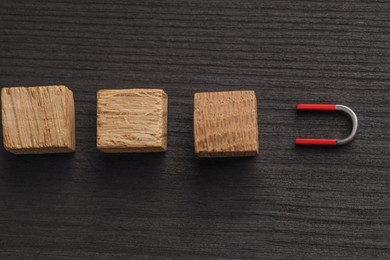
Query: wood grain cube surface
132	120
225	124
38	120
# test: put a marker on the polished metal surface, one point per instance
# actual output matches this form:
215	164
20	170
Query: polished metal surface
355	124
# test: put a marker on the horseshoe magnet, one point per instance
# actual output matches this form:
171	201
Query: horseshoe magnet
328	108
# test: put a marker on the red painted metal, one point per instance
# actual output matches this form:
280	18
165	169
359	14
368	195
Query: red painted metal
317	107
315	142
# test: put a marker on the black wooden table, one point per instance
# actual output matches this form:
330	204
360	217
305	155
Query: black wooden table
291	203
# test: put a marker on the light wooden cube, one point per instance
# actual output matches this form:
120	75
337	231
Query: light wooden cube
132	120
38	120
225	124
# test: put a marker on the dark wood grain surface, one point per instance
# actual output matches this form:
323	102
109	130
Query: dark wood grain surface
287	203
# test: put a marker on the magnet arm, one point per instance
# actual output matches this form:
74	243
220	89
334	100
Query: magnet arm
317	107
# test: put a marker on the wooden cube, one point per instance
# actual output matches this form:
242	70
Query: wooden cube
225	124
132	120
38	120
